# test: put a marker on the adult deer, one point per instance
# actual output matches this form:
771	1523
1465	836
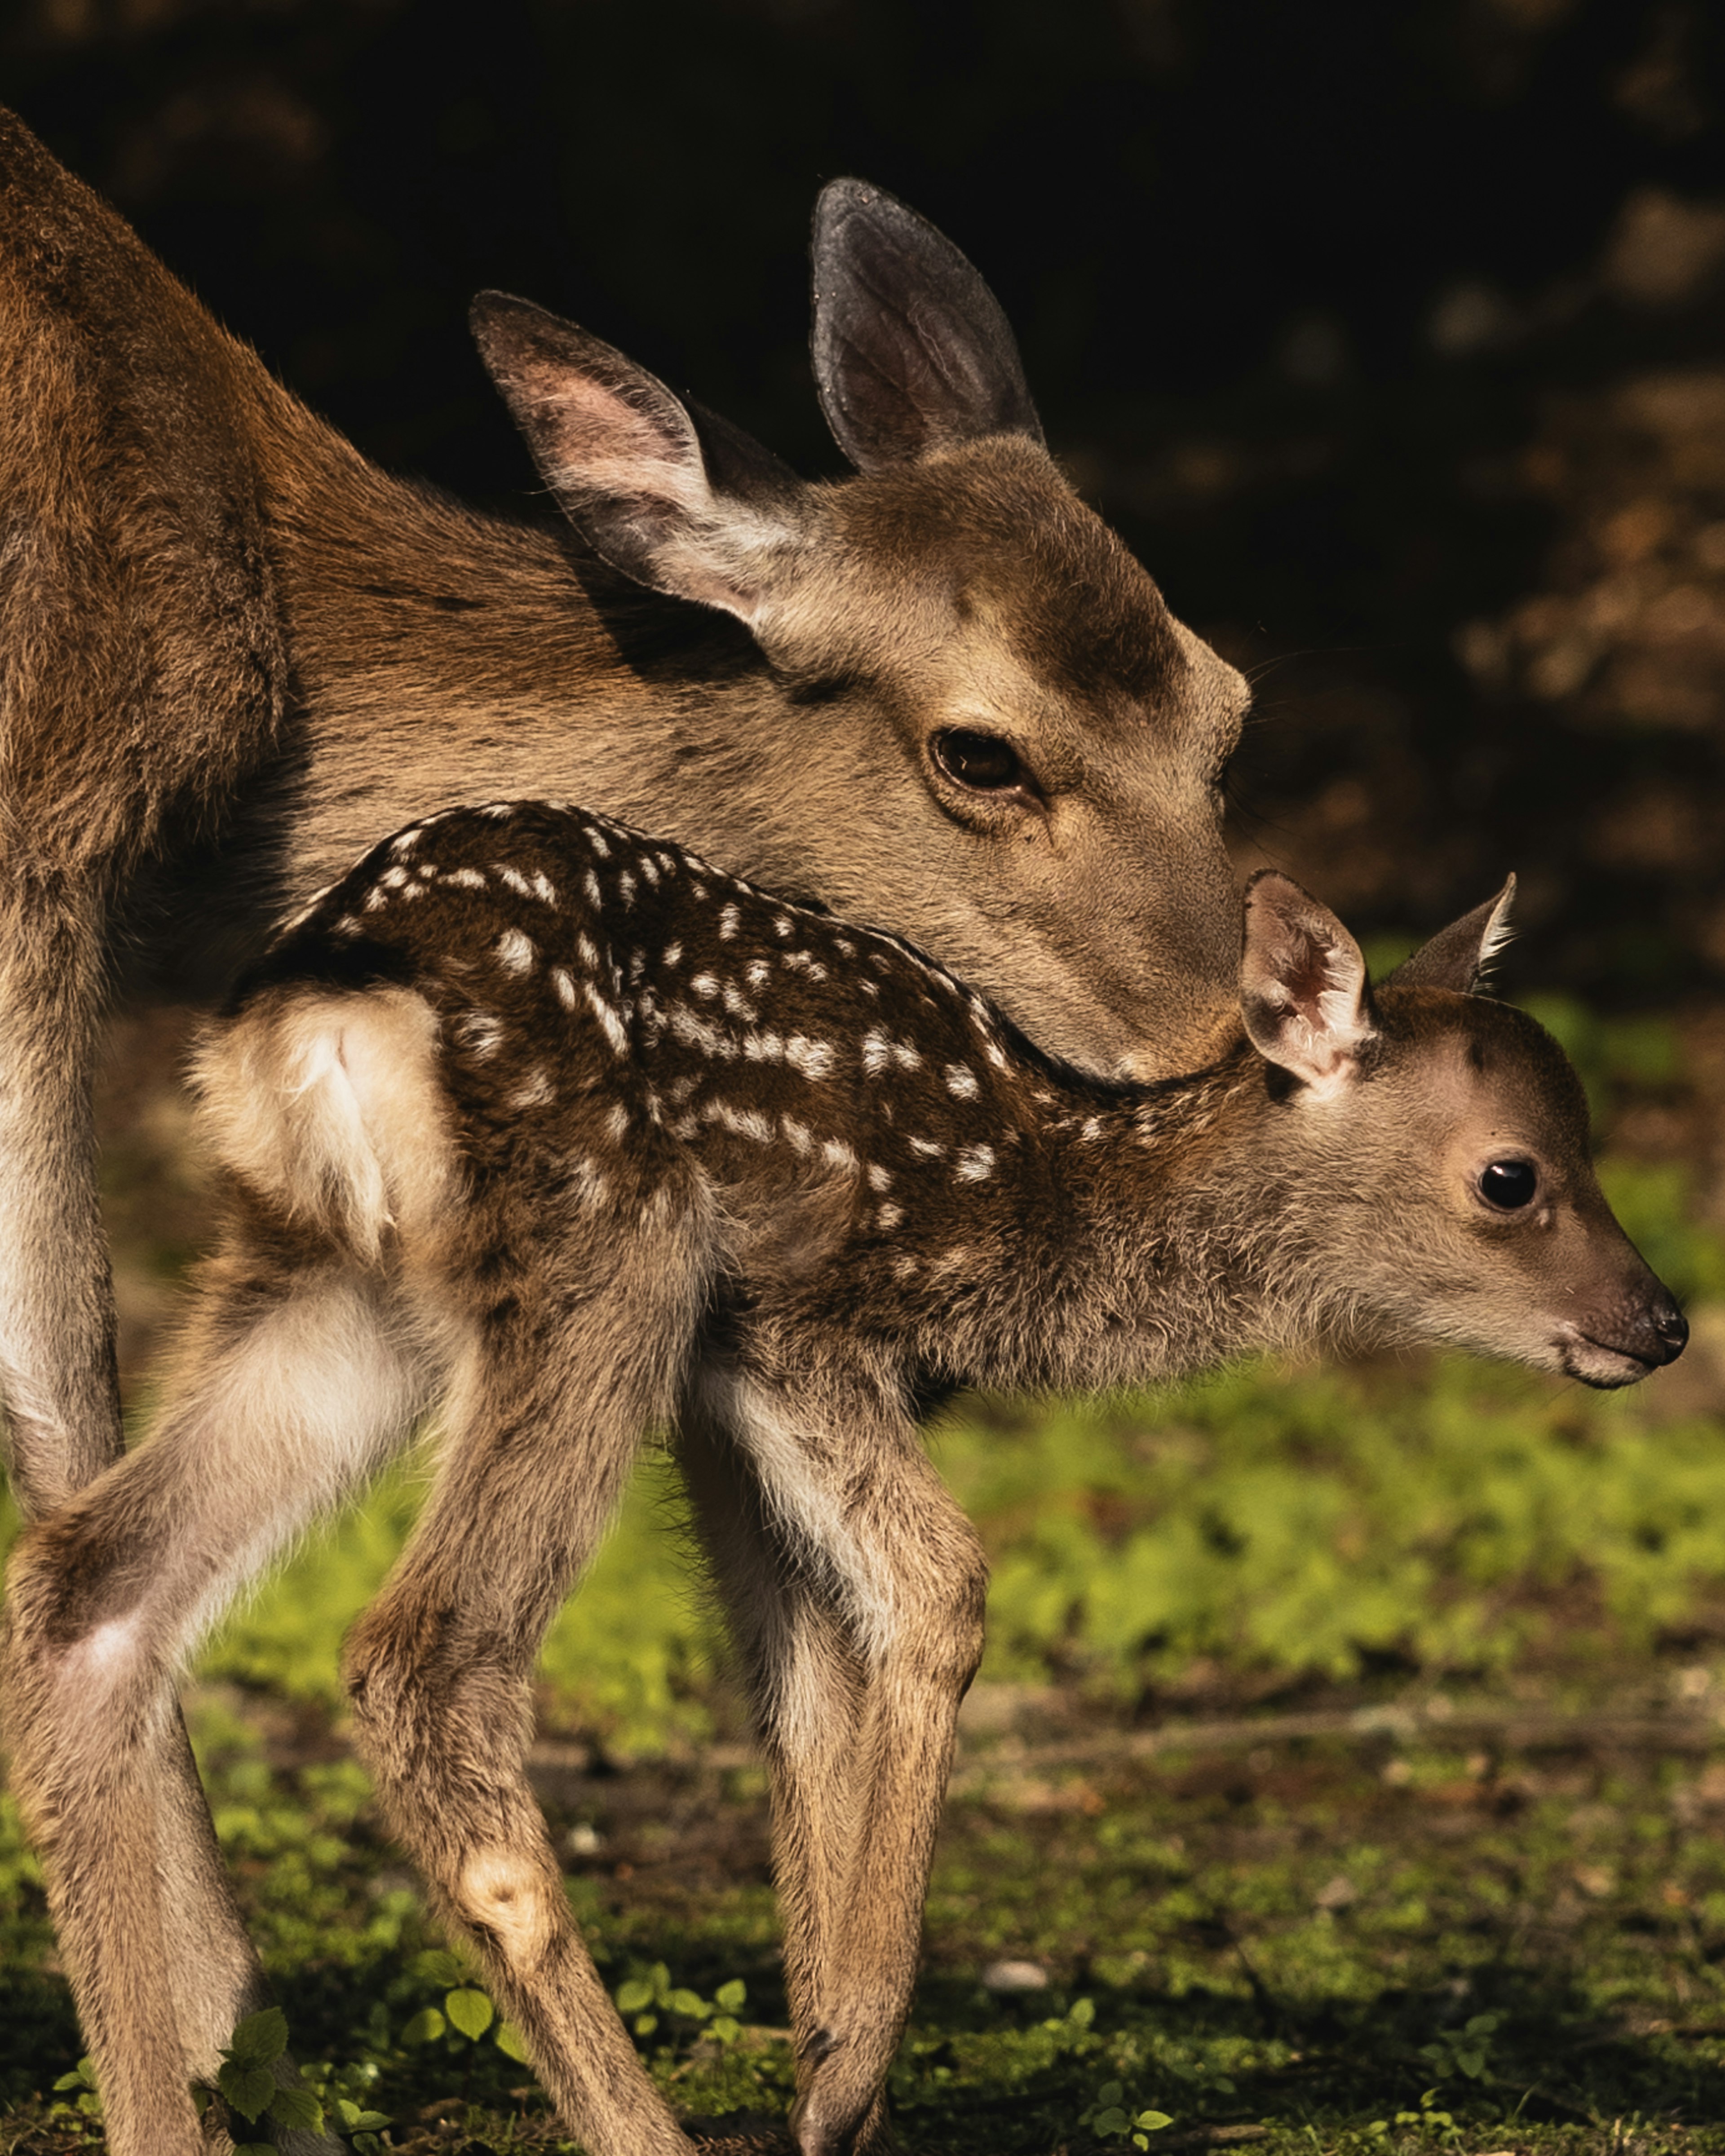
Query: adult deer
559	1130
231	653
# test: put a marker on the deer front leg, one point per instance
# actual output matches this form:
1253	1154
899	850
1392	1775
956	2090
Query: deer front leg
861	1585
293	1399
543	1432
57	1378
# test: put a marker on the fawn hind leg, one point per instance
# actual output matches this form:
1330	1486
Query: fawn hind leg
302	1384
575	1358
856	1587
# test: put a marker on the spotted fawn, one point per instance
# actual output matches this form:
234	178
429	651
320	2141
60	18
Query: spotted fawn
556	1129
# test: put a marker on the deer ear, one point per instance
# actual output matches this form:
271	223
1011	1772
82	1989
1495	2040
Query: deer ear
1303	985
912	353
685	504
1460	956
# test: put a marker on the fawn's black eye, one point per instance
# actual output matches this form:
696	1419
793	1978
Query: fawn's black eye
1508	1184
982	762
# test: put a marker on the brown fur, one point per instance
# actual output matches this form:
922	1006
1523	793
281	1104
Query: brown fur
231	653
564	1130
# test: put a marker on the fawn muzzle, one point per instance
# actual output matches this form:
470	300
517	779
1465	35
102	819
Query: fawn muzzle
1625	1340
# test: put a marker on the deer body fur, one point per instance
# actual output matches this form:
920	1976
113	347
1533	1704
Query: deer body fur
558	1129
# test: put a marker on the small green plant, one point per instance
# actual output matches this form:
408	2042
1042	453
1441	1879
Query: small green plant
1108	2119
249	2089
342	2090
79	2088
1427	2118
1466	2051
641	1999
466	2012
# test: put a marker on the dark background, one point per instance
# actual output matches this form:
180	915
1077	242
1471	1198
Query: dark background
1392	335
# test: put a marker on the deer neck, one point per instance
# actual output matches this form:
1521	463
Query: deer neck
441	653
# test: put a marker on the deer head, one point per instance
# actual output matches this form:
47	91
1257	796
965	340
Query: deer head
999	739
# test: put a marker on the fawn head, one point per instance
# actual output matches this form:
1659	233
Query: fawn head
986	729
1442	1140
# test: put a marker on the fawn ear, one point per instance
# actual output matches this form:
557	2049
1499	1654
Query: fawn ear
1460	957
1303	985
912	350
684	503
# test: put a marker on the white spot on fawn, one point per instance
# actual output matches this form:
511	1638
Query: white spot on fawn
962	1082
588	952
813	1057
544	890
346	926
799	1134
597	844
626	884
394	878
481	1034
591	1186
880	1178
607	1018
875	1053
906	1056
648	869
500	809
468	879
727	924
617	1124
929	1149
746	1123
737	1007
513	877
534	1091
515	953
837	1154
673	954
590	884
759	974
887	1217
565	986
404	842
708	1038
783	924
704	984
377	898
975	1165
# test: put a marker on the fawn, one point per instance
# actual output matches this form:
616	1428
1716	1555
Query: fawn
557	1128
941	694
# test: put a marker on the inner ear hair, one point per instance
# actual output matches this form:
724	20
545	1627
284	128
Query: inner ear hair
1304	1000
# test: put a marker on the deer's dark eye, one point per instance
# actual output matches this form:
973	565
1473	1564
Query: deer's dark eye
1508	1184
983	762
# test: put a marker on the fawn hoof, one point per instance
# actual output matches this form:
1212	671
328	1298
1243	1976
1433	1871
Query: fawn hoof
829	2120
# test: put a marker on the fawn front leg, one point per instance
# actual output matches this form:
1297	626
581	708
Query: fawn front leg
295	1398
859	1587
544	1429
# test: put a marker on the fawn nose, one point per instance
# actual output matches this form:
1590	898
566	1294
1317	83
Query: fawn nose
1662	1330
